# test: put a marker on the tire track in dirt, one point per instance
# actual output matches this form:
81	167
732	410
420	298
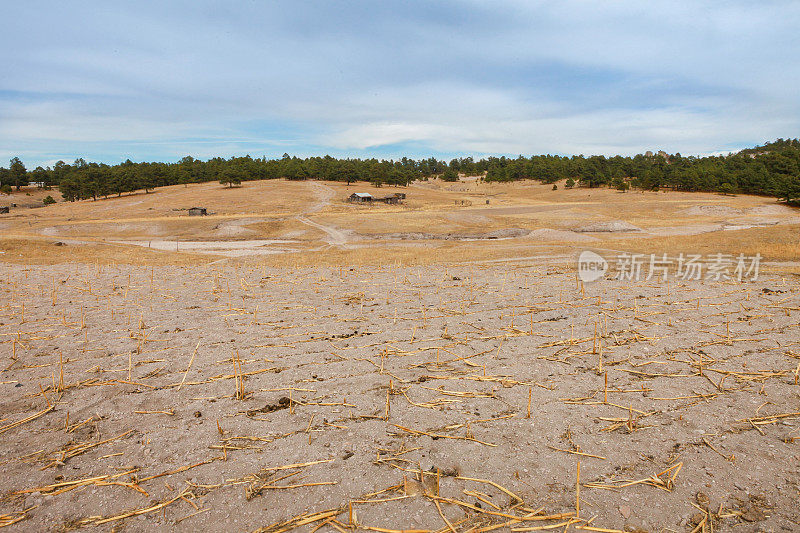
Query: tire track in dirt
324	194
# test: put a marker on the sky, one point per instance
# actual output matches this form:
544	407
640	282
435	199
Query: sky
156	81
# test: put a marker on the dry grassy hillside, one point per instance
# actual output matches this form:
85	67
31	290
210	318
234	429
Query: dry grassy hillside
311	222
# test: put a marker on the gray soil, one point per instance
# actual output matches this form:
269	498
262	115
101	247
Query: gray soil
613	226
506	233
150	427
225	248
713	210
556	235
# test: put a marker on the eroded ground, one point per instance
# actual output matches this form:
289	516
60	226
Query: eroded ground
238	397
310	222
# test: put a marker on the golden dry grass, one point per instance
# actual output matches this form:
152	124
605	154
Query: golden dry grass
298	211
28	196
46	252
420	254
775	243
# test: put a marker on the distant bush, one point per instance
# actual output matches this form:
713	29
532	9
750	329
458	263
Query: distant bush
5	189
555	187
450	175
570	183
48	200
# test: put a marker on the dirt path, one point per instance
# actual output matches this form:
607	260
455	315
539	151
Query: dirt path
336	237
324	194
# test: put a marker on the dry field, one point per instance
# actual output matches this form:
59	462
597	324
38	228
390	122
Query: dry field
294	362
310	223
238	398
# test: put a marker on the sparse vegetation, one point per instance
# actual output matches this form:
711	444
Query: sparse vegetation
232	363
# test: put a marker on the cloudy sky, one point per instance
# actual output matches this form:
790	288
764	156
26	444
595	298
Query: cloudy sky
112	80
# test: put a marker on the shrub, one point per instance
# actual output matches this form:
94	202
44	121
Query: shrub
450	175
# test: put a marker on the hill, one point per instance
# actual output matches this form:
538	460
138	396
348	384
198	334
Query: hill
311	222
771	170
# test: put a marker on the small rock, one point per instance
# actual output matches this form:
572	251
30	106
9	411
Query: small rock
625	511
198	414
32	501
753	514
450	469
703	500
697	518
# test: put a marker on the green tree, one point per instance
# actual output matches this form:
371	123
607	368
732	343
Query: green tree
18	173
70	188
620	184
230	177
790	191
41	176
450	174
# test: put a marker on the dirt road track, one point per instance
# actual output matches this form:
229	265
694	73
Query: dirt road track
324	195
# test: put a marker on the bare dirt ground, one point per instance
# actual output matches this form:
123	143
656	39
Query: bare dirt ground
446	398
296	362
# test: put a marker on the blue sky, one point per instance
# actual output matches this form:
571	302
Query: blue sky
110	80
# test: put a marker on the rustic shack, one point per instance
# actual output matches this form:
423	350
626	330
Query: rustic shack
198	212
393	200
360	197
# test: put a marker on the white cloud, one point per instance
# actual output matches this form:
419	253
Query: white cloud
506	77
